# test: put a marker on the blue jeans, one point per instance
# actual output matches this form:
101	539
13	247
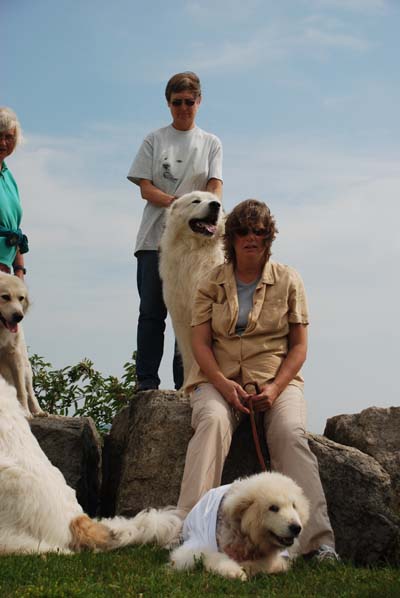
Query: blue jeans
151	324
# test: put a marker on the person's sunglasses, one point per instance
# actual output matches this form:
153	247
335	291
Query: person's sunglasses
185	101
243	231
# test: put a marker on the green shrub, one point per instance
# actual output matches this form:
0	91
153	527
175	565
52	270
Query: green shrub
80	390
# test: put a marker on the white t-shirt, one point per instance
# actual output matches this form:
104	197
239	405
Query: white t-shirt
199	527
176	162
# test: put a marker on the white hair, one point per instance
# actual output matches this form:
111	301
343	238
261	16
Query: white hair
9	121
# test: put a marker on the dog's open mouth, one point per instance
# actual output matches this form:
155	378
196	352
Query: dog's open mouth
8	325
203	227
283	541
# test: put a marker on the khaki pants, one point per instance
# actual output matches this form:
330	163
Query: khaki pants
214	424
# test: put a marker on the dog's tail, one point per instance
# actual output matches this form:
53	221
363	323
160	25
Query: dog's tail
152	526
89	534
158	526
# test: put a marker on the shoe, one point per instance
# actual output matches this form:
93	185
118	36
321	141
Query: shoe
325	553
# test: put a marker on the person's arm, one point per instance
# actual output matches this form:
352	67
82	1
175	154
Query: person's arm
215	186
18	265
203	354
290	366
154	195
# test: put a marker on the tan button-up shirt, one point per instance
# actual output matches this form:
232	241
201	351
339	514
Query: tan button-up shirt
256	355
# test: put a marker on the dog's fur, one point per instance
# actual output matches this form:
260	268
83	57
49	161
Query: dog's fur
39	511
191	246
14	363
259	517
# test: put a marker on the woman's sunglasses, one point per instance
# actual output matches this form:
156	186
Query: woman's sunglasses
185	101
243	231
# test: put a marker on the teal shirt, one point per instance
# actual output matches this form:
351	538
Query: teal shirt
10	213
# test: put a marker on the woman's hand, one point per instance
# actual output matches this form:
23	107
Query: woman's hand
266	397
232	393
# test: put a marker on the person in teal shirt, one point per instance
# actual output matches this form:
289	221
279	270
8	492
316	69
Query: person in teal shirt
13	243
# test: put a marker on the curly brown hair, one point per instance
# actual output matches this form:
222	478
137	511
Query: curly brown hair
249	213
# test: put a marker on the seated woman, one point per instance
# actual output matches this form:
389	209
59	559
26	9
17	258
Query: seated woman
250	326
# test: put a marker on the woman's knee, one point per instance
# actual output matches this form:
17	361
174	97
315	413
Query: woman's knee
287	436
213	416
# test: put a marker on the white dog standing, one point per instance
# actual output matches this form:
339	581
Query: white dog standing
14	362
39	511
191	246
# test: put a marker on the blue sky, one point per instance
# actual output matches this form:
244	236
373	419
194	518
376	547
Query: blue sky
304	95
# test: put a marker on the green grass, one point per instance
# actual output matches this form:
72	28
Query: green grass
141	572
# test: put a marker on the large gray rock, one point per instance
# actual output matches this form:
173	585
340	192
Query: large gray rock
152	465
376	432
359	496
146	453
73	445
113	454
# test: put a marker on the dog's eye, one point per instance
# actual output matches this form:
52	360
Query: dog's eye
294	505
6	297
20	299
274	508
196	201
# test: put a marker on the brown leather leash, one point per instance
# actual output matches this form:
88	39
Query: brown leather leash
254	425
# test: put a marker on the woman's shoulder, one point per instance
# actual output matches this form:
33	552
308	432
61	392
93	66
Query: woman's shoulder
209	136
158	133
216	275
284	271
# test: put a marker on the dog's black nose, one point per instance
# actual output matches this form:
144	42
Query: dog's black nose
295	529
215	206
16	317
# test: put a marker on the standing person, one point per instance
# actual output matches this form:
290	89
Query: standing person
249	330
13	243
171	161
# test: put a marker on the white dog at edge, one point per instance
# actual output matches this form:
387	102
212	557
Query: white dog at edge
14	363
191	246
39	511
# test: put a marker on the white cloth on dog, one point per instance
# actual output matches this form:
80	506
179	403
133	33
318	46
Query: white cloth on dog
199	527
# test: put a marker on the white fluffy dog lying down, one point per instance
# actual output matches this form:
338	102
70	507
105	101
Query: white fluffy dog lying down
241	529
40	513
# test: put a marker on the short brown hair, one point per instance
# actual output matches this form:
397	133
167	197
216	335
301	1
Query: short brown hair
187	81
249	212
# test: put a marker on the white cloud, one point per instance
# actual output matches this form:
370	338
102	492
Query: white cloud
326	39
276	42
363	6
225	10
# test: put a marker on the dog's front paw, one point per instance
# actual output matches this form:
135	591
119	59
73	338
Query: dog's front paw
232	570
278	565
40	414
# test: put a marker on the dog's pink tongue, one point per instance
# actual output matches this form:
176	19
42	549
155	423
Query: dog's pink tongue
211	228
12	327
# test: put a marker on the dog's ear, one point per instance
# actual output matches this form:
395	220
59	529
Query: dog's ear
237	507
26	303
